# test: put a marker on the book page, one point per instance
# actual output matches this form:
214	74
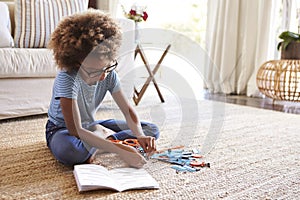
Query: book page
91	177
132	178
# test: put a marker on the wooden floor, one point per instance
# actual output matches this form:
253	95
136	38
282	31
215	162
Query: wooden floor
266	103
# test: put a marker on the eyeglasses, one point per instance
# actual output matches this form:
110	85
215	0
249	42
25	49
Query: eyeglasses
106	70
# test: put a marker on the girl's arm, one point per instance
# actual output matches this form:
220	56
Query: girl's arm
133	122
72	118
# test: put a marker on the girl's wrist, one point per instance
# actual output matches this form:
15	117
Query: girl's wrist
140	135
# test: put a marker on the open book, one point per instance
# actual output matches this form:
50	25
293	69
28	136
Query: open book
94	177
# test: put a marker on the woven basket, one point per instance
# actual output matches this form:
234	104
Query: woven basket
280	80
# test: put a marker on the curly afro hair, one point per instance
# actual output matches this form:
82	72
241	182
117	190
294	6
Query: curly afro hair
77	36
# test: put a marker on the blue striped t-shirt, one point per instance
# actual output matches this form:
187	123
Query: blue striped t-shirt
89	97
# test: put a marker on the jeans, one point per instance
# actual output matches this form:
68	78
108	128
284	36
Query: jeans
70	150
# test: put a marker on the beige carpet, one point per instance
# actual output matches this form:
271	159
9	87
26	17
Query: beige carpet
254	154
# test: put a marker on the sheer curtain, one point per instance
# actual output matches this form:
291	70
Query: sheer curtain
108	6
238	43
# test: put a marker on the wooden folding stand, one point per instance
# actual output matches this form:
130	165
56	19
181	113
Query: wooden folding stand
137	96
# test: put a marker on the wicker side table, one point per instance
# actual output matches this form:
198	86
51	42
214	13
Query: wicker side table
280	80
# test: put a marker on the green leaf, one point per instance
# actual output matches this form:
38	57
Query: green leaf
287	38
279	45
285	44
294	35
289	35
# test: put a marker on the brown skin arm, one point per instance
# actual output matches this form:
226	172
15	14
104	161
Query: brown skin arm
147	142
71	115
72	118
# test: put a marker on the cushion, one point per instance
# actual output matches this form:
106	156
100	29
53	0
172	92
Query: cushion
6	39
26	63
35	20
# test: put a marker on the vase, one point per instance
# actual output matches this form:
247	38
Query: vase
292	51
137	32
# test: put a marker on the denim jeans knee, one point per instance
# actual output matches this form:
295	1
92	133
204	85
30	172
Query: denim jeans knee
123	132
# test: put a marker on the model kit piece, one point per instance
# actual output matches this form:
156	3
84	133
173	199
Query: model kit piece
132	142
182	160
178	168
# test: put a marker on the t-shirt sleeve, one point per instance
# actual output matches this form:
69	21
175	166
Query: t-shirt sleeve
65	86
114	82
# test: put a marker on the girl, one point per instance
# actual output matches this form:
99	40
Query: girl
85	46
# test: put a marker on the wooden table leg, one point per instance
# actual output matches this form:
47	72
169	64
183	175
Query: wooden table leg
138	95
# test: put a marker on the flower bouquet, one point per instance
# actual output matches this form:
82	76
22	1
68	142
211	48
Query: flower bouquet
136	13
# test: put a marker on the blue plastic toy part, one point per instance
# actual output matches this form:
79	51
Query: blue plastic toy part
188	168
196	151
169	154
178	168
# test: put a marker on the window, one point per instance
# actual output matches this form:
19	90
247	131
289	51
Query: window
187	17
286	18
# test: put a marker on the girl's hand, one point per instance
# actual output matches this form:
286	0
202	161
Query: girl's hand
131	156
148	144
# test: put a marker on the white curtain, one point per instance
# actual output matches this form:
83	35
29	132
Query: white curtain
237	43
109	6
286	14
